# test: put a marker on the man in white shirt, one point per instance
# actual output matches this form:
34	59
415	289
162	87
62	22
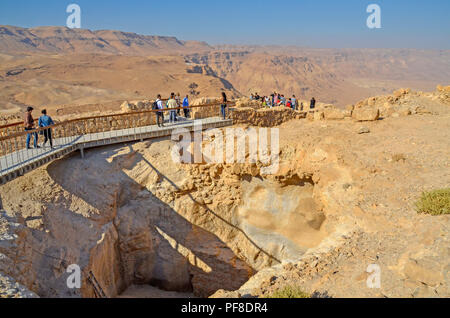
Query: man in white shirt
172	104
159	114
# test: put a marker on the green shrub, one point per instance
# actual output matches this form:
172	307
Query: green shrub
289	292
435	202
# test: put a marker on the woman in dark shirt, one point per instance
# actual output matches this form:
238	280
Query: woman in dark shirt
224	105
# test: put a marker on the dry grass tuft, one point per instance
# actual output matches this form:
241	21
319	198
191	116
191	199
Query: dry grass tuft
435	202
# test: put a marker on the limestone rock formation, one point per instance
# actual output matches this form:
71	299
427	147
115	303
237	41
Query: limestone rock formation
265	117
204	101
366	114
245	102
334	114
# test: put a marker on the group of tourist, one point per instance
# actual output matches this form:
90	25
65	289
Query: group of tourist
174	105
277	100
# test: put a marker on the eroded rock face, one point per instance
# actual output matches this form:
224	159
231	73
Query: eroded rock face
115	228
284	218
139	218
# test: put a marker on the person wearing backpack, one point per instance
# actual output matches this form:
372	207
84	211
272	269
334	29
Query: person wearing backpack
158	104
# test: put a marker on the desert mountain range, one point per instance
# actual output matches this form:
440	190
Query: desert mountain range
61	68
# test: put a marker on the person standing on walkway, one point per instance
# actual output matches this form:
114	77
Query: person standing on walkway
159	114
29	125
46	121
186	106
178	99
223	107
313	103
172	105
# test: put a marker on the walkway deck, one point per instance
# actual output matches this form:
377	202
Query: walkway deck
18	163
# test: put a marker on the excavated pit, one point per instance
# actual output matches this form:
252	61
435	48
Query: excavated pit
138	225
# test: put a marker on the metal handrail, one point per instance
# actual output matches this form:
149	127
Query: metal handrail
19	123
37	130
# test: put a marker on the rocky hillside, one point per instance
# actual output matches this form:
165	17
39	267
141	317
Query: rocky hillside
78	41
28	74
332	76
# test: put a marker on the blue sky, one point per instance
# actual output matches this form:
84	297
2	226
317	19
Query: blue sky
319	23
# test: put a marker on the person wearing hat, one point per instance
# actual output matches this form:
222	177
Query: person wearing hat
29	125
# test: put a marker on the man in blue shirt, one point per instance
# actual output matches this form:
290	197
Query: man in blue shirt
186	106
46	121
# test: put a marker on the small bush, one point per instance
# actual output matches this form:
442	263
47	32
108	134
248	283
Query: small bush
289	292
435	202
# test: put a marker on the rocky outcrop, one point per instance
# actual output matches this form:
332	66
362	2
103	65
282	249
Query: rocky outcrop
365	114
403	102
265	117
334	114
245	102
9	288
